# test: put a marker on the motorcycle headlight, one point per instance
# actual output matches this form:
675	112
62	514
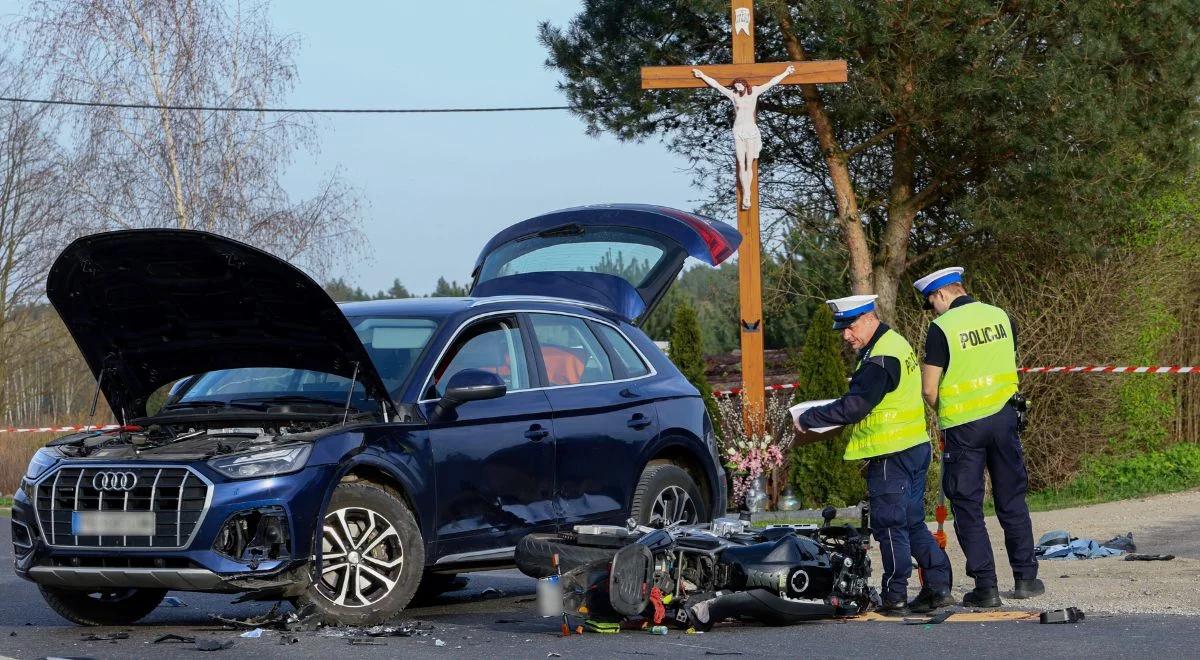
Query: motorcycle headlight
43	460
262	463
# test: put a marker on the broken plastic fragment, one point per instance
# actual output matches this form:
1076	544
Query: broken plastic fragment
252	634
171	601
438	642
172	637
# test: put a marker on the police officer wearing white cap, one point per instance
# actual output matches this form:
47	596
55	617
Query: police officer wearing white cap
887	428
970	378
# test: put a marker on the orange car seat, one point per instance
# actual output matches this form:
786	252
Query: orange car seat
563	366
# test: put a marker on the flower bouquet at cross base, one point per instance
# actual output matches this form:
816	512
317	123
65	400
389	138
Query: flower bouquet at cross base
749	456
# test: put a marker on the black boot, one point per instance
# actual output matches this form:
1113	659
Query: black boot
982	597
895	609
929	600
1029	588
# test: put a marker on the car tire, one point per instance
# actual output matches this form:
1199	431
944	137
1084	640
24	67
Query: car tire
667	492
535	555
110	607
372	535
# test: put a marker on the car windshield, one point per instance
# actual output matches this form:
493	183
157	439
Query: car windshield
394	344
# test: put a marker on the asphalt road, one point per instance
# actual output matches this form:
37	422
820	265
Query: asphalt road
477	622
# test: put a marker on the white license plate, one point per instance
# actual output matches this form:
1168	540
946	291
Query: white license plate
113	523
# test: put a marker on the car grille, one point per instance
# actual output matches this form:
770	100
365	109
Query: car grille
179	496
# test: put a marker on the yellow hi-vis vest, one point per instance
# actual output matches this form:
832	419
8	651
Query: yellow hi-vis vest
982	374
898	422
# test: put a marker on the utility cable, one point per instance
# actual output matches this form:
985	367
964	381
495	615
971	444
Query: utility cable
379	111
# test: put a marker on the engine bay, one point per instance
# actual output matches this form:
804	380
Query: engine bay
187	441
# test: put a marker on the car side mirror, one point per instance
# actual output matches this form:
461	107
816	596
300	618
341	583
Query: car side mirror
469	385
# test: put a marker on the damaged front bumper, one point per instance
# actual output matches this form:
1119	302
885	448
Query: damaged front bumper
171	579
254	535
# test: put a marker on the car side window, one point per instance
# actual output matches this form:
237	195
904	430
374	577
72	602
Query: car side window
492	345
570	352
625	353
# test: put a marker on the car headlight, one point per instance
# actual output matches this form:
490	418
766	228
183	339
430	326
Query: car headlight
262	463
42	460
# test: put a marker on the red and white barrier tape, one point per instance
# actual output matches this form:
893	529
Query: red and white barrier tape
1110	370
62	429
1025	370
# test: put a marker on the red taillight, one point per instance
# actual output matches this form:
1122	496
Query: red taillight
718	248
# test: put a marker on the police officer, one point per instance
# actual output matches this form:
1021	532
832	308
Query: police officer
970	378
887	428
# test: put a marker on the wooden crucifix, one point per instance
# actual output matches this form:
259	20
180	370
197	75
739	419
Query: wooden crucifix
746	79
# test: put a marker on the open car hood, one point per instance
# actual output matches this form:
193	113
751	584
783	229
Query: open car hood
621	256
149	306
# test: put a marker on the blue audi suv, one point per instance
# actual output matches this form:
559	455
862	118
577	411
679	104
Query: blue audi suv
276	444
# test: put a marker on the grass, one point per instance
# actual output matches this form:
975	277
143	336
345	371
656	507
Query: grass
1109	478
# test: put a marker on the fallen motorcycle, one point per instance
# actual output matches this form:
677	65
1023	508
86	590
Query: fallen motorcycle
697	575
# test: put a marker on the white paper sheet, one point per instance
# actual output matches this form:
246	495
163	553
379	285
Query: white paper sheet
800	408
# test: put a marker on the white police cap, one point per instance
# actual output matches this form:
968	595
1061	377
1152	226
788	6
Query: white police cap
847	310
938	279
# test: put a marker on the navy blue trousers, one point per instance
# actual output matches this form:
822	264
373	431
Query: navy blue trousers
990	443
896	486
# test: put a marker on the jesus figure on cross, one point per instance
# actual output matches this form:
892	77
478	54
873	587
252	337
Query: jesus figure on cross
747	140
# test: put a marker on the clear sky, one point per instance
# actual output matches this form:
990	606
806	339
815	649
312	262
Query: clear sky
438	186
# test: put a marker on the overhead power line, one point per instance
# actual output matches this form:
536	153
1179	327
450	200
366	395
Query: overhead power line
361	111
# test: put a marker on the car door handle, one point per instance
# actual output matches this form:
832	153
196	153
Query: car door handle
536	432
638	421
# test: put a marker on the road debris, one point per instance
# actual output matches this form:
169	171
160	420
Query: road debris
410	629
172	637
1061	545
1067	615
940	617
91	637
366	641
252	634
1137	557
172	601
438	642
213	644
491	592
294	621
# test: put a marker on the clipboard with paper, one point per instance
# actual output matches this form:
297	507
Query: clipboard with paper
804	406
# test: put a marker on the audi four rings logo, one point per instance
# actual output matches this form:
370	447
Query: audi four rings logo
112	481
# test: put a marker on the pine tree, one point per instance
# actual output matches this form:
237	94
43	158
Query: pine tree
685	350
445	289
819	474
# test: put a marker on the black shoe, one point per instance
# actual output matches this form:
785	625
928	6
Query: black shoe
1029	588
982	597
929	600
896	609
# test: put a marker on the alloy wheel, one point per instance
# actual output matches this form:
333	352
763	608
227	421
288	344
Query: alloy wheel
674	505
362	557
